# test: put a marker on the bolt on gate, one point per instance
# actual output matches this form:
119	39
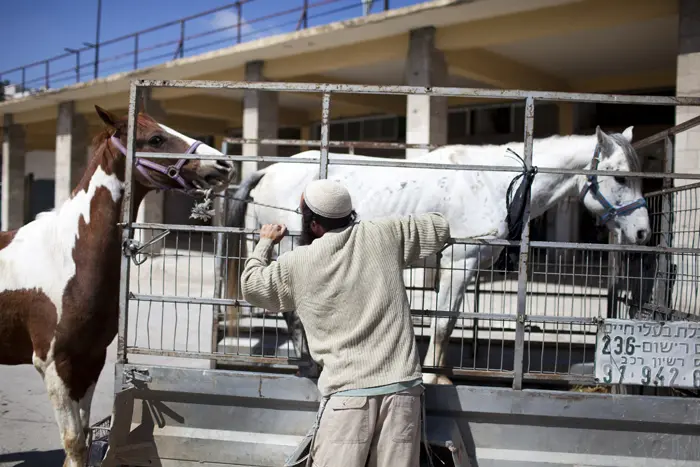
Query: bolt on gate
555	313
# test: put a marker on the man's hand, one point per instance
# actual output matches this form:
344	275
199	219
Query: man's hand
274	232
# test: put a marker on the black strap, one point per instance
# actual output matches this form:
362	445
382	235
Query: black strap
515	205
515	211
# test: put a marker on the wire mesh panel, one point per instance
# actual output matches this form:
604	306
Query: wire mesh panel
534	311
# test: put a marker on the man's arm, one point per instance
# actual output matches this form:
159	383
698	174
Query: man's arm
422	235
264	283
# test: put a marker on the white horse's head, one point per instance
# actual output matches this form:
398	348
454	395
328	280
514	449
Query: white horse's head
617	202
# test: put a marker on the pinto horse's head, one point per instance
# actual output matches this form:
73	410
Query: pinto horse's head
184	174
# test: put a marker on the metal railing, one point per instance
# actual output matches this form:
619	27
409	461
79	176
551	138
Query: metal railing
534	322
146	47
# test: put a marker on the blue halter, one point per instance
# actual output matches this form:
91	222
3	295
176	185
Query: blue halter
610	210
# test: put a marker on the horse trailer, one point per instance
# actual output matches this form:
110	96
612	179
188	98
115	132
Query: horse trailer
557	353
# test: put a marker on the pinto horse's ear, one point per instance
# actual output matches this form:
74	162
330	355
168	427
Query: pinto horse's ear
108	118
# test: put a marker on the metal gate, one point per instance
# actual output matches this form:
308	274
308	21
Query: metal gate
550	319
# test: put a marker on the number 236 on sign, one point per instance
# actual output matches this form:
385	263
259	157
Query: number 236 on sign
648	353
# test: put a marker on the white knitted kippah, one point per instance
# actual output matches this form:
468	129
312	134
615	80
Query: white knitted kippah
328	198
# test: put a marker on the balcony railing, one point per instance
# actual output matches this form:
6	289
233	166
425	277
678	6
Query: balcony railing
191	35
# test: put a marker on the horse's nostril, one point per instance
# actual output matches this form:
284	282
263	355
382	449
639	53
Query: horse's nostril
224	164
641	234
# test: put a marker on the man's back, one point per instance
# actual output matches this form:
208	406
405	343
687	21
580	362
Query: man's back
347	288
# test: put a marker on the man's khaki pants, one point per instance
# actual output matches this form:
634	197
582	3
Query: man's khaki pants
379	431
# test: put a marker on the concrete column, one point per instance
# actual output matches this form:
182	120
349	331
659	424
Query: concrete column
13	154
71	147
153	205
687	154
426	117
260	118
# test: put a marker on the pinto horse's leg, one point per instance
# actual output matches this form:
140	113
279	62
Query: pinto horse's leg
453	283
67	412
93	372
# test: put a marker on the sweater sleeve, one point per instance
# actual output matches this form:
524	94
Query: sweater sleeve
422	235
264	283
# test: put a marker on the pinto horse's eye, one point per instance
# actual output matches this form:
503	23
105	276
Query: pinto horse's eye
156	141
621	180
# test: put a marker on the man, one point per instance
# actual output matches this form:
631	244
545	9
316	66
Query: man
346	284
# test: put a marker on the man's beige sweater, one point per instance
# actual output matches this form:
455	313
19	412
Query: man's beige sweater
347	288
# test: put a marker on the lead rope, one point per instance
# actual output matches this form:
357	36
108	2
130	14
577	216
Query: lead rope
424	430
311	434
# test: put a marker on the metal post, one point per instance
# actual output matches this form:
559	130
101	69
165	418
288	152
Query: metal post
663	276
182	39
386	5
524	250
77	66
97	38
136	52
46	74
24	75
305	14
127	209
239	15
325	115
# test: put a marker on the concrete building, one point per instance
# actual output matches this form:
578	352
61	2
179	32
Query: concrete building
620	46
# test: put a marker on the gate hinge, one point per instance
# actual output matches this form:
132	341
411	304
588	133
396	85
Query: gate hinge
133	247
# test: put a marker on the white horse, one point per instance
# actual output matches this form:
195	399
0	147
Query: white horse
472	201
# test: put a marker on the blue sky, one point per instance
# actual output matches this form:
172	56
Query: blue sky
34	30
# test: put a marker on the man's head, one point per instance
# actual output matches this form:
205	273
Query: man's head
325	205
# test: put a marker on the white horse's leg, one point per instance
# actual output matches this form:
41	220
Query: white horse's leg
453	283
67	412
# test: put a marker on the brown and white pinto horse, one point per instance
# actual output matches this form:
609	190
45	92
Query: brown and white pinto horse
59	275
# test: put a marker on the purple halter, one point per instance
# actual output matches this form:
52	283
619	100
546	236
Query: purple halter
172	171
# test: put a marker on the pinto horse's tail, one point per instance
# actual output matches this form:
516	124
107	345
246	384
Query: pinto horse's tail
236	248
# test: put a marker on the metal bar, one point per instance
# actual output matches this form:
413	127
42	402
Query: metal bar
219	357
187	299
674	189
338	144
97	38
453	241
239	15
674	130
127	209
402	164
325	131
182	39
136	51
524	250
46	74
77	66
24	74
306	14
661	282
421	90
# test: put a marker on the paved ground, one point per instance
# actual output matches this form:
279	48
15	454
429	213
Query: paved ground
28	431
